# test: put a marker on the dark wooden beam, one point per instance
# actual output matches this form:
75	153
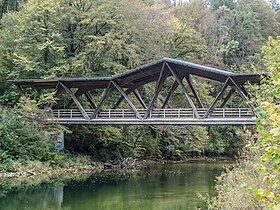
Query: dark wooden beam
159	85
226	84
78	93
132	88
184	90
127	99
76	101
243	95
171	91
106	95
90	100
194	91
232	90
244	90
139	98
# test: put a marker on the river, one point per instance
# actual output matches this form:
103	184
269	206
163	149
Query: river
157	187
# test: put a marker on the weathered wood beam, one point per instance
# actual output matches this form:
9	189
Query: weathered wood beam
58	92
159	85
78	93
194	90
244	90
76	101
139	98
171	91
243	95
127	99
226	84
90	100
232	90
184	90
132	88
106	95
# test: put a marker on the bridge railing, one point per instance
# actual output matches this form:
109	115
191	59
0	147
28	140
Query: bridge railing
155	113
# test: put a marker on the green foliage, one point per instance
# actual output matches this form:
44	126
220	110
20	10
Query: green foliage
20	140
269	130
61	38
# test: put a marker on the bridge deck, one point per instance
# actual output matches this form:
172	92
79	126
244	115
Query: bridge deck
220	116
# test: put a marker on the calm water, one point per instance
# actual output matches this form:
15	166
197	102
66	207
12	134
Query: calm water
168	187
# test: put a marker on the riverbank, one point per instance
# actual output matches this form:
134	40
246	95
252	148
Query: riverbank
85	165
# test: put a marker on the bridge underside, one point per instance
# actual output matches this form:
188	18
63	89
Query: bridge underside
148	112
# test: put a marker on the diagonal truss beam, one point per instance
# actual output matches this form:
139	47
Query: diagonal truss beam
171	91
194	90
159	85
90	100
230	93
127	99
226	84
184	90
243	95
106	95
78	93
76	101
139	98
134	87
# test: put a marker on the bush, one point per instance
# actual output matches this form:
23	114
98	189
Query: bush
20	140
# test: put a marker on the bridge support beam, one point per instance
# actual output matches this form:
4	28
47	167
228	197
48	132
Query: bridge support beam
217	98
90	100
74	98
127	99
159	85
232	90
243	95
194	91
106	95
184	90
171	91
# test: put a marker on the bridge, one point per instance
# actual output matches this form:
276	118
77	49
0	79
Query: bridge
125	93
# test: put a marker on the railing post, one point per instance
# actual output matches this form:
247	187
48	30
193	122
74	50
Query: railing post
193	113
151	113
224	114
71	113
109	113
179	114
58	113
163	113
239	112
122	113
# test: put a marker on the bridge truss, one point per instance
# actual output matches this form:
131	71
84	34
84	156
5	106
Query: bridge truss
128	85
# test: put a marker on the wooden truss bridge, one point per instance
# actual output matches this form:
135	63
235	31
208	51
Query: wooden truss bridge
83	92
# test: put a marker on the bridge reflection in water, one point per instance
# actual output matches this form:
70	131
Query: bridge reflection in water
168	75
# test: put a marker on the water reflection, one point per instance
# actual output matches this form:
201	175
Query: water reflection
164	187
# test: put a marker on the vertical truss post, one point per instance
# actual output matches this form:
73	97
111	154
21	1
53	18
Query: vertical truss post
76	101
127	99
217	98
139	98
159	85
184	90
106	95
194	91
171	91
90	100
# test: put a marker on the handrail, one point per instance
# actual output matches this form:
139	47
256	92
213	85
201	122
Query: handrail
223	113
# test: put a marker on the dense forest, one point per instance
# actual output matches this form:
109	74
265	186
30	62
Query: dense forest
85	38
59	38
